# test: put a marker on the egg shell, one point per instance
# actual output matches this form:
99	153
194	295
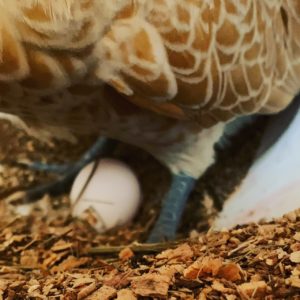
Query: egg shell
111	197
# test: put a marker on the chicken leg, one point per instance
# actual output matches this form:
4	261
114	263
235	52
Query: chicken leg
102	147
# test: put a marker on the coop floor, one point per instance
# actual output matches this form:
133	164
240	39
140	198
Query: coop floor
206	201
49	255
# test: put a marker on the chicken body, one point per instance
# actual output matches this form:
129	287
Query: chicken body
165	75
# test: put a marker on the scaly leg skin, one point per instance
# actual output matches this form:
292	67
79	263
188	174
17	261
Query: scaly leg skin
44	167
187	162
172	208
102	147
233	127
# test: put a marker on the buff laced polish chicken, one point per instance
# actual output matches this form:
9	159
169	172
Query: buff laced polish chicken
164	75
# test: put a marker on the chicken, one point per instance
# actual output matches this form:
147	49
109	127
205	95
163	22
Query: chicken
165	75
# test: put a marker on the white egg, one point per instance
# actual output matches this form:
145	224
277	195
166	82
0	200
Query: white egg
110	198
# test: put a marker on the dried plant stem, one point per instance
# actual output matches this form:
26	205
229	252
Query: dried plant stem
135	247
